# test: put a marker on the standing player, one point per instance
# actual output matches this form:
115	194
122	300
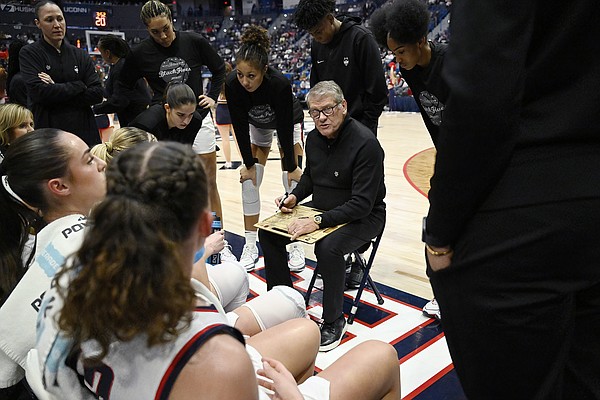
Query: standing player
168	56
127	105
261	103
402	27
344	51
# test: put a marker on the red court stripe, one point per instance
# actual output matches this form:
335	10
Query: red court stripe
428	382
420	348
405	171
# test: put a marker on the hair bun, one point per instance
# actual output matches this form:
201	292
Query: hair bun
257	36
109	147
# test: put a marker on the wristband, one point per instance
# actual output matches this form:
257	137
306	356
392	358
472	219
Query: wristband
437	253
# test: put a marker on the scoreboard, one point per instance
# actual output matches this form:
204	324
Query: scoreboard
100	19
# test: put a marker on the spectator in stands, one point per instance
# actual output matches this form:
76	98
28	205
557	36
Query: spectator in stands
15	121
62	84
174	56
15	86
345	51
127	104
3	82
514	217
261	104
401	26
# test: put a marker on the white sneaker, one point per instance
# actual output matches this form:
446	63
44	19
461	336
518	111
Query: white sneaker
296	259
226	254
249	257
432	310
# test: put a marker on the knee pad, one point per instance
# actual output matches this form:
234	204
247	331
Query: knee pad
278	305
250	194
230	281
284	180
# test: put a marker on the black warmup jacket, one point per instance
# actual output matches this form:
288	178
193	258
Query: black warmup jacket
429	89
181	62
154	120
352	59
516	131
271	106
66	104
345	176
126	103
17	91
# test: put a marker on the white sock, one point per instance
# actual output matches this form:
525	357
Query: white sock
251	237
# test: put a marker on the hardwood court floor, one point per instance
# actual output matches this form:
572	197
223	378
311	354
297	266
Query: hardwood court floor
400	259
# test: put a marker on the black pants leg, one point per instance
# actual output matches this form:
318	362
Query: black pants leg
275	257
520	303
330	256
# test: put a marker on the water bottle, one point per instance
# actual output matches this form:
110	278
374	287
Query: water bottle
215	259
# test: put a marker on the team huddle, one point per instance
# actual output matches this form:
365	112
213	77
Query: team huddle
105	282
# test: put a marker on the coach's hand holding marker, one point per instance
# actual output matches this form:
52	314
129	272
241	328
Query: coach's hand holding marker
286	202
282	200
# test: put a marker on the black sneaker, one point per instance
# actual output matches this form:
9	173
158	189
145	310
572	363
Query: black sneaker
354	277
332	334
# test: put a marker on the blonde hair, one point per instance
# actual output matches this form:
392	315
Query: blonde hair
11	116
121	139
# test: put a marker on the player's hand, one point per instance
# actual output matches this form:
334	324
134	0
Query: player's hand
248	173
280	382
205	101
214	243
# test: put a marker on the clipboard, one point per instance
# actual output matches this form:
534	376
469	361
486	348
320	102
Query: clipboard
278	224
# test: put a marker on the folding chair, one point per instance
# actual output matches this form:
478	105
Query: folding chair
366	267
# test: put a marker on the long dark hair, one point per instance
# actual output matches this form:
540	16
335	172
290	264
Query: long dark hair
177	94
29	162
130	275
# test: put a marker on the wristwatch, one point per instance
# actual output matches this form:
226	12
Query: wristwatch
318	219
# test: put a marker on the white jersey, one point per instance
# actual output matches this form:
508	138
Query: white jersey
55	242
131	370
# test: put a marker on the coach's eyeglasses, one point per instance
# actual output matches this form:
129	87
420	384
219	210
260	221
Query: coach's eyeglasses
315	114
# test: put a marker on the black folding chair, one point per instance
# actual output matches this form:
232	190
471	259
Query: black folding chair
366	279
